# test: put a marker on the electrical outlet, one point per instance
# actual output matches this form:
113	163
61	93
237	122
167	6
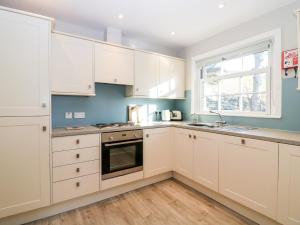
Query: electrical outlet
69	115
79	115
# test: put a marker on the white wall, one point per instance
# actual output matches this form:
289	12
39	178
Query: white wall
134	42
283	18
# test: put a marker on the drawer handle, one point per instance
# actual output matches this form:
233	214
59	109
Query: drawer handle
243	141
195	137
190	136
77	170
77	184
147	135
78	156
77	141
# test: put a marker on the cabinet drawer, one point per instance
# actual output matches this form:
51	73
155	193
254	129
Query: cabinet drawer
75	156
75	170
73	142
76	187
250	143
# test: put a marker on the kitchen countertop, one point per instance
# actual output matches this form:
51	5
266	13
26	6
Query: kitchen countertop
273	135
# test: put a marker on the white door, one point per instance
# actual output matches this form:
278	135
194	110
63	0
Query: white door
289	185
248	172
24	164
24	56
157	151
206	159
146	71
184	152
114	65
72	70
171	78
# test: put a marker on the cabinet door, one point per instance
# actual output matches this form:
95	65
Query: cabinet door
24	164
146	74
157	151
24	56
184	152
72	66
114	65
206	159
289	185
171	78
248	172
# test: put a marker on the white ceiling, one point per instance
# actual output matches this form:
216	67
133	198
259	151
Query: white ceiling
191	20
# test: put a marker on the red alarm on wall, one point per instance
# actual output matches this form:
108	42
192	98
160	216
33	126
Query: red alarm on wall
290	60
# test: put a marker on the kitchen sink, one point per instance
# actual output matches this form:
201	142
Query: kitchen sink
238	128
210	125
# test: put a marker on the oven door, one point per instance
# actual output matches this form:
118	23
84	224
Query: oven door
120	158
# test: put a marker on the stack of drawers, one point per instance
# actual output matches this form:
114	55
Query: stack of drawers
76	166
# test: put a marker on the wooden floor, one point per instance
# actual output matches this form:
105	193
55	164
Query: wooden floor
165	203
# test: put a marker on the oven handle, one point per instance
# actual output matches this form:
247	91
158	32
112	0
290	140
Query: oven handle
122	143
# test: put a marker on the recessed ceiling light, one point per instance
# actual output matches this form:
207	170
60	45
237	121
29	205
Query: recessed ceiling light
120	16
173	33
221	5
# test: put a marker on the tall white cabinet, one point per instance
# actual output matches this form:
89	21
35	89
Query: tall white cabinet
24	112
24	56
289	185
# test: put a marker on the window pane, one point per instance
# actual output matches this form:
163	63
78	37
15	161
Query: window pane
212	70
255	61
210	103
233	65
254	103
253	84
230	86
230	102
211	88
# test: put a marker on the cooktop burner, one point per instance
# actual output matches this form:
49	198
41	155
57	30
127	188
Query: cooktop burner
112	125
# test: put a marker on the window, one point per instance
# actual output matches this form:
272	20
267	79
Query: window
237	82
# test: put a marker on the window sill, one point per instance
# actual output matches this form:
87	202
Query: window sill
243	115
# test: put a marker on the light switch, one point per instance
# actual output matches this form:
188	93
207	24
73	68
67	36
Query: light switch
68	115
79	115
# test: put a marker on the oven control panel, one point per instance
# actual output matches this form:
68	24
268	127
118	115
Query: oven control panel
121	136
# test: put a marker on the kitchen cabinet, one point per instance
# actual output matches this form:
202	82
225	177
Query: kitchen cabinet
114	65
171	78
157	151
206	159
184	152
146	72
72	71
24	164
24	56
289	185
248	172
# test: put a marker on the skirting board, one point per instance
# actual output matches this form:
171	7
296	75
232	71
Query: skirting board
240	209
80	202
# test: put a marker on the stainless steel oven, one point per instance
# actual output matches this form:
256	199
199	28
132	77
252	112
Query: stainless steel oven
122	153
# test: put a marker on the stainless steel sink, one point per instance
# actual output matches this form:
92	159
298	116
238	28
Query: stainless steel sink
210	125
238	128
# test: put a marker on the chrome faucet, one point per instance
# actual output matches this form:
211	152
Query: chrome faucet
220	122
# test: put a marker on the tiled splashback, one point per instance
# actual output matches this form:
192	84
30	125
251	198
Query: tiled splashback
109	105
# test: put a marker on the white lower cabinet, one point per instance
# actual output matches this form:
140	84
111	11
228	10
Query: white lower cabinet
289	185
24	164
183	152
248	173
206	159
157	151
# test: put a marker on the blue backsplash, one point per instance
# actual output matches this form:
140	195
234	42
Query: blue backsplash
109	105
290	110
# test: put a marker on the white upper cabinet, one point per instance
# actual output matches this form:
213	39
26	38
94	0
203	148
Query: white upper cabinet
206	159
171	78
157	151
72	68
114	65
24	164
24	56
289	185
184	152
248	173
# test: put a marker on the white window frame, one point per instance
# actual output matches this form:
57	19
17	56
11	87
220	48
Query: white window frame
274	100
